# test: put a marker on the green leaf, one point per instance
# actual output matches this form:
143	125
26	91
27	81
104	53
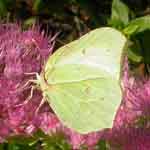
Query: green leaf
38	140
29	22
144	41
134	56
120	14
82	80
56	142
138	25
36	5
139	32
3	9
102	145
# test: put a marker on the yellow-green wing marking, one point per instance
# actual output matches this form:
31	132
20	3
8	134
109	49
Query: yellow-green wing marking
83	79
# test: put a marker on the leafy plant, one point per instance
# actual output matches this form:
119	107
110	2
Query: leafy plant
119	14
136	29
38	141
137	25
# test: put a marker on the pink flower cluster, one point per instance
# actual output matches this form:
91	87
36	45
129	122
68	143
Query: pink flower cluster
131	129
23	52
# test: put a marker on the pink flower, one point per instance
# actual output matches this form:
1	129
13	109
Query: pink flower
131	129
21	52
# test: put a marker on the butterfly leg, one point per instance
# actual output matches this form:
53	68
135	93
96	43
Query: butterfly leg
41	103
28	98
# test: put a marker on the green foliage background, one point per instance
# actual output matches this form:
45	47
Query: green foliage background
72	17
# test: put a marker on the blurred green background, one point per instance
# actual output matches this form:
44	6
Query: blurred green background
70	17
